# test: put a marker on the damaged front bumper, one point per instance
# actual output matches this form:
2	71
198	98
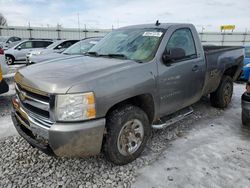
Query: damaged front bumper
74	139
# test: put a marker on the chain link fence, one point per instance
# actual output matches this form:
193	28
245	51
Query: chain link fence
207	38
50	32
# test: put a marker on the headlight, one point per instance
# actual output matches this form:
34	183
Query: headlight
75	107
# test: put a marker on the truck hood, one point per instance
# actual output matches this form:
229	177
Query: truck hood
60	75
45	57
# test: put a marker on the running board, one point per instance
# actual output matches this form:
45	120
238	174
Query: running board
173	118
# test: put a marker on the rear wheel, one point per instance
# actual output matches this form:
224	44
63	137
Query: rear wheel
223	95
128	130
9	60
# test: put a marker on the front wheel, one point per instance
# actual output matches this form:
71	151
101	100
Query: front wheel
9	60
128	130
223	95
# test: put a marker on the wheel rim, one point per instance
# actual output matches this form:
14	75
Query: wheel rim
130	137
9	60
227	93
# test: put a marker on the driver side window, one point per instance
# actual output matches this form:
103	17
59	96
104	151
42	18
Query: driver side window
183	38
26	45
11	40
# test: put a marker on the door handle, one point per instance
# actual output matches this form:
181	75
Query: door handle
195	68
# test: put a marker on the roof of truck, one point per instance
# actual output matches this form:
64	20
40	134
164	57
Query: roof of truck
162	25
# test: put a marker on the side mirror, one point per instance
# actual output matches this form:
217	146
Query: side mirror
173	54
19	47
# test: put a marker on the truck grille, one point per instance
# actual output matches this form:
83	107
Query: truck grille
37	106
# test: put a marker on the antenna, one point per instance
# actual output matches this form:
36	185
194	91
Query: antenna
157	23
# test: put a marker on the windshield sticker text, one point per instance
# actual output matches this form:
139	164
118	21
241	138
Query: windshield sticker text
152	34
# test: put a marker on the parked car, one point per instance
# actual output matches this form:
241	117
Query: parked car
18	52
78	48
8	41
135	79
3	70
245	105
246	69
57	46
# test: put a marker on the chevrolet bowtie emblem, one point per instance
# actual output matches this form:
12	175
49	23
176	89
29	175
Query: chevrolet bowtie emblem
22	96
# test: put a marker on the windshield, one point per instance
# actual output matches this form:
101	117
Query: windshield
3	39
247	52
136	44
81	47
54	44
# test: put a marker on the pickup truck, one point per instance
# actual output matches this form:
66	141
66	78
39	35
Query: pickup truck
135	79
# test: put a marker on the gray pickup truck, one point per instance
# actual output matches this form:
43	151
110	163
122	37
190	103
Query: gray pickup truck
135	79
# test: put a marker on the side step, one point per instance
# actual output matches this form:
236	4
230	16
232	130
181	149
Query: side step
173	118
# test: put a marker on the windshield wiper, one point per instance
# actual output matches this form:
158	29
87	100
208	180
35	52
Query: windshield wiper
92	54
115	55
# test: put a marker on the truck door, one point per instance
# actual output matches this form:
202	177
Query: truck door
181	81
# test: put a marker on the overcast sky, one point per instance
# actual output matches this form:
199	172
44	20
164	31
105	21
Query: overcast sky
105	13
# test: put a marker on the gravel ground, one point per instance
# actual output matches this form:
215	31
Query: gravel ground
24	166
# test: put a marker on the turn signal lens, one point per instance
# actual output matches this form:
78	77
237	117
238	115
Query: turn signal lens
75	107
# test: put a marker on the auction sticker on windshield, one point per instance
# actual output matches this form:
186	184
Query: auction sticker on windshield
152	34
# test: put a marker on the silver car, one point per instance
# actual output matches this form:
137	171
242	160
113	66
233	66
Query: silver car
78	48
57	46
18	52
8	41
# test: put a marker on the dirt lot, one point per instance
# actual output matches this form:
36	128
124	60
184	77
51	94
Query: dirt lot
208	149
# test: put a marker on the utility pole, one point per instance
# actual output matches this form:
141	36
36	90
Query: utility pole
79	30
58	31
85	28
29	29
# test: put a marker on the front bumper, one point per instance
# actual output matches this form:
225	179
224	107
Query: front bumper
4	87
62	139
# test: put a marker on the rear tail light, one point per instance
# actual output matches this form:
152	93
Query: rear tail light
1	51
248	88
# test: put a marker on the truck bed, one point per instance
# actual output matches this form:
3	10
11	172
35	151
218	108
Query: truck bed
208	49
219	59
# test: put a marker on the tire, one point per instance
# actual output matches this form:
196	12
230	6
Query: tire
223	95
245	118
9	60
118	147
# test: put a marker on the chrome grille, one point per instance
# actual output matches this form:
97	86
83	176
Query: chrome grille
36	106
